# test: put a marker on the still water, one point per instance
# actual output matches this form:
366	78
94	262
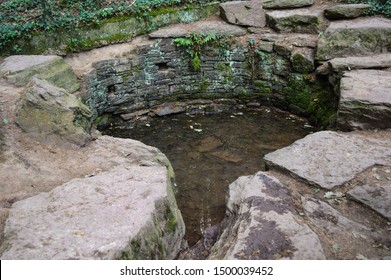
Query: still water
208	152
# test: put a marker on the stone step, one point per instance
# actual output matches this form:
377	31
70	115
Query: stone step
244	13
298	20
346	11
359	37
330	159
365	100
379	61
287	4
375	191
204	27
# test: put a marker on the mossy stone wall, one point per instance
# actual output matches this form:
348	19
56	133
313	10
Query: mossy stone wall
162	74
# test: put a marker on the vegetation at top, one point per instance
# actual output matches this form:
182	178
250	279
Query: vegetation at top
21	18
379	7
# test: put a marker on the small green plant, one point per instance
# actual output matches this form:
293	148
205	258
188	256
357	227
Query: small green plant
195	43
379	7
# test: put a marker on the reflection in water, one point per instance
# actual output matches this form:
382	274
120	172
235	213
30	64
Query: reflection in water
210	152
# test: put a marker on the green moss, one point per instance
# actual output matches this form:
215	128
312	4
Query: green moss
314	98
298	92
224	68
301	64
263	87
163	10
171	223
203	86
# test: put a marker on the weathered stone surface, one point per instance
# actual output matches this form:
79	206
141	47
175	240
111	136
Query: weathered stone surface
49	110
297	40
128	211
360	62
377	197
205	27
19	70
302	60
286	4
297	20
266	46
328	159
261	224
246	13
359	37
331	221
346	11
365	100
170	108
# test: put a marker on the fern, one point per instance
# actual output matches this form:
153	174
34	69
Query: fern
196	63
193	43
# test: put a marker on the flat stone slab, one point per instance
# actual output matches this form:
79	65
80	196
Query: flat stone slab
360	62
118	213
297	20
359	37
376	195
331	221
19	69
346	11
296	40
262	224
245	13
286	4
329	159
205	27
365	100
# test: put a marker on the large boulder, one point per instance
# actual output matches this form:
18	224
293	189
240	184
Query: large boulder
297	20
47	110
365	100
19	70
329	159
287	4
246	13
125	210
346	11
359	37
262	223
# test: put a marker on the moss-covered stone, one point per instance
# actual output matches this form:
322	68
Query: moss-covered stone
263	87
19	70
313	98
355	38
302	60
48	110
114	30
